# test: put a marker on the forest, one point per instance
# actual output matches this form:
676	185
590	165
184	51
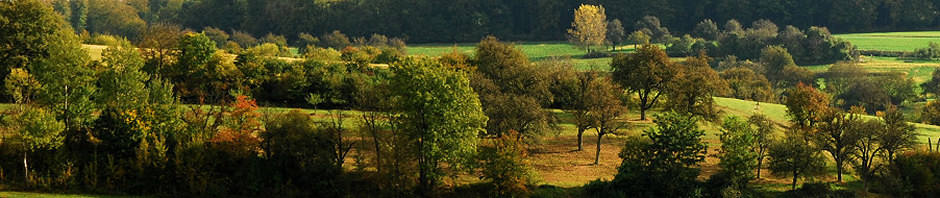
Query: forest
345	98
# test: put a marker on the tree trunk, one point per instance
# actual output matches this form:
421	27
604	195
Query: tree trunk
759	162
597	154
839	171
580	142
25	169
642	113
793	186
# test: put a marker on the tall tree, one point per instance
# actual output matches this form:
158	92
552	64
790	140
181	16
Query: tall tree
805	105
647	72
868	147
738	160
511	90
834	134
589	28
763	138
695	86
37	129
899	135
616	35
606	110
122	83
746	84
440	113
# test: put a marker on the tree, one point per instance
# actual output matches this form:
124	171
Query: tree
29	31
158	43
106	17
693	89
805	105
738	159
511	90
835	135
638	38
652	27
763	138
707	30
899	135
37	129
605	108
589	28
933	85
440	113
776	59
662	162
647	72
615	33
580	107
794	157
868	148
746	84
122	83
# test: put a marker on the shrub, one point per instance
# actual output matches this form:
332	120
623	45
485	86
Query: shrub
913	174
300	154
321	54
504	166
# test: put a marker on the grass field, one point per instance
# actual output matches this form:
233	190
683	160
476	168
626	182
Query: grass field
893	41
534	50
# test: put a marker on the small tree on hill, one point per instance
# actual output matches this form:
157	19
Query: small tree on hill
589	28
605	108
763	138
615	33
738	160
794	157
647	72
638	38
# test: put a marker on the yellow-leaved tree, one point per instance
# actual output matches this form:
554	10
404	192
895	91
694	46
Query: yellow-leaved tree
589	29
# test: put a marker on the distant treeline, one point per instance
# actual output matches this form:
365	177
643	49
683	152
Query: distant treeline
469	20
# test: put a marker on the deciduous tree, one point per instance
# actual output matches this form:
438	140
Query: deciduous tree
795	158
647	73
589	28
441	113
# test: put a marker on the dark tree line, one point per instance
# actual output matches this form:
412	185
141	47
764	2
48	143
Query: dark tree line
467	21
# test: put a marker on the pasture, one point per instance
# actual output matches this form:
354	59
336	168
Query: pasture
892	41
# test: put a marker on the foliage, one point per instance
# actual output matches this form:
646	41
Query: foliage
605	109
795	158
504	164
616	35
763	138
738	160
930	113
805	105
651	26
663	162
300	151
511	90
913	174
441	113
647	72
746	84
589	28
638	38
693	89
834	134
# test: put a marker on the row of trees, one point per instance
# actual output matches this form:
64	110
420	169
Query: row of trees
466	21
664	162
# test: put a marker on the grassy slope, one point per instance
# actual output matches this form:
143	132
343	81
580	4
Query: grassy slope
894	41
